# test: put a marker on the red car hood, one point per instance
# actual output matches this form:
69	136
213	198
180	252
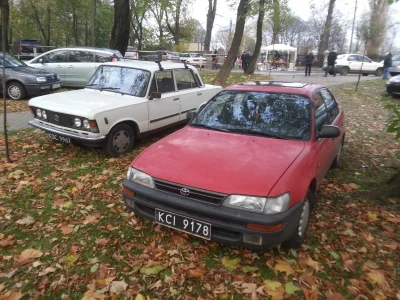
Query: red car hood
218	161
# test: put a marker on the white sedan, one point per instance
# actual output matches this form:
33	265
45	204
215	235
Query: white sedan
194	59
357	63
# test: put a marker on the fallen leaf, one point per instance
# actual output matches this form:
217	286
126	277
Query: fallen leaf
276	294
249	269
283	266
28	220
230	264
249	288
290	288
65	229
101	242
372	217
28	254
196	273
71	259
310	294
349	232
371	265
96	186
47	271
12	295
91	219
377	277
94	268
140	297
272	285
117	287
152	270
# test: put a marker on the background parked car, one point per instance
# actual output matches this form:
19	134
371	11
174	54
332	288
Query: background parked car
395	69
393	85
24	48
356	63
195	59
74	65
23	81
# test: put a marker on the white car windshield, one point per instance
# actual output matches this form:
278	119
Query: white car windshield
122	80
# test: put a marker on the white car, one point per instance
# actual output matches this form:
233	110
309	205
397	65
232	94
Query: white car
395	69
356	63
194	59
123	101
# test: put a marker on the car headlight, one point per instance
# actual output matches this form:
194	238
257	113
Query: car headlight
86	124
41	79
44	115
58	77
77	122
38	113
258	204
139	177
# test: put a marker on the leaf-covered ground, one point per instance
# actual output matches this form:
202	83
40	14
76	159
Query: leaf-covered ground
65	233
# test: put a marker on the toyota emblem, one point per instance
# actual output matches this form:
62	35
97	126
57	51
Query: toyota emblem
56	118
185	192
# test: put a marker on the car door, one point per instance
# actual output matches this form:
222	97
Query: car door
368	65
190	96
354	63
322	148
80	68
165	110
53	61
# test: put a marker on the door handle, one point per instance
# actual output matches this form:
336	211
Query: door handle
198	94
70	67
175	99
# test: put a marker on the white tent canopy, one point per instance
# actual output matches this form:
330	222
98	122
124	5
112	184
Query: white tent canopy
283	48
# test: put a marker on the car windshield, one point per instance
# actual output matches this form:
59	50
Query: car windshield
11	61
196	55
276	115
123	80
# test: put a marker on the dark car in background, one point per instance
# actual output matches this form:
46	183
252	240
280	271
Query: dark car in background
25	48
23	81
393	86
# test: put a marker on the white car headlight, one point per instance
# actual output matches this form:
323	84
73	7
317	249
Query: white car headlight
38	113
139	177
258	204
44	115
77	122
86	124
41	79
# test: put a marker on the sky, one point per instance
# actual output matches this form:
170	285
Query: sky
301	7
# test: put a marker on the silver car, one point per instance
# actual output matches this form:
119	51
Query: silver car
74	65
395	69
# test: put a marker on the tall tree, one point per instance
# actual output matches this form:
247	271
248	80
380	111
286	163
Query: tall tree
212	10
378	19
139	9
256	53
120	31
323	44
39	21
158	8
175	28
223	74
5	17
276	21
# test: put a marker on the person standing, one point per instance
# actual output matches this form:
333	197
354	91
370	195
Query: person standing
387	63
246	61
309	60
214	57
331	63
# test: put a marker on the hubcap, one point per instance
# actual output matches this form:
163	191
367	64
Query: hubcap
305	215
14	92
121	141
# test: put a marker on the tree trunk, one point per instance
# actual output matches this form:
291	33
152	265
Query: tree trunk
323	44
39	23
176	32
252	66
5	12
276	21
120	31
223	74
48	24
212	9
75	27
378	20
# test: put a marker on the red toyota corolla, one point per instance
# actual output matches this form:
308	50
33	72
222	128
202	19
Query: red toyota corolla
245	170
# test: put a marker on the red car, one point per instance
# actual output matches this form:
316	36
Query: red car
245	170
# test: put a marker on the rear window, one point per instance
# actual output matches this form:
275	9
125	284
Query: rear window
341	56
396	58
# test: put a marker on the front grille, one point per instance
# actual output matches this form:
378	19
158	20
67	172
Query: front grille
58	118
51	78
195	194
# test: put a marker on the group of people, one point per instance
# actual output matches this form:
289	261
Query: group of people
242	60
309	60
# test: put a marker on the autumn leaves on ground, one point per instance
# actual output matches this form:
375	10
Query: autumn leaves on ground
65	233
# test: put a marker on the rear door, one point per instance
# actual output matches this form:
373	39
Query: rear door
165	110
354	63
80	68
189	93
54	61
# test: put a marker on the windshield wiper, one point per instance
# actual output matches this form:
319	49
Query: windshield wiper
253	132
109	88
208	127
92	84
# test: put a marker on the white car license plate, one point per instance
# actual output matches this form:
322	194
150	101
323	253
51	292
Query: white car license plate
56	85
182	223
59	138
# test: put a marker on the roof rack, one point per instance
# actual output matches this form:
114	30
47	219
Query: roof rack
185	63
159	64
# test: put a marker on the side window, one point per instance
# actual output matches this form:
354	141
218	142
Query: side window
366	59
80	56
185	80
103	57
320	112
55	57
330	104
352	58
164	82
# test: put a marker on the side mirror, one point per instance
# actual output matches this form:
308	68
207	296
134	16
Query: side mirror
41	60
154	95
190	115
329	131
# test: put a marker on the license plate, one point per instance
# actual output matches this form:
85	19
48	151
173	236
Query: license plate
182	223
56	86
59	138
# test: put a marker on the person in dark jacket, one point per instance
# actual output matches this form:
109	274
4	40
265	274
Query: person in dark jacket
214	58
309	60
387	63
331	62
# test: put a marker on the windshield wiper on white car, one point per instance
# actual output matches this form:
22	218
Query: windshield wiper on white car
253	132
209	127
109	88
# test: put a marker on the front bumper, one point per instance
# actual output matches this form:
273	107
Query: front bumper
393	88
228	225
42	88
94	141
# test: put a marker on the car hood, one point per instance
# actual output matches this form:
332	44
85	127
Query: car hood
31	71
84	102
221	162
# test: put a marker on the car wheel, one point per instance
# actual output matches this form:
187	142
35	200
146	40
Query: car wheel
16	91
336	161
120	140
364	74
298	237
344	71
379	72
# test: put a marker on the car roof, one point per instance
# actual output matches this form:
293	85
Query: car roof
149	65
88	48
276	87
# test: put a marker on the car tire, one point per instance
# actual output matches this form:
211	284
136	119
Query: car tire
120	140
379	72
365	74
336	161
16	91
344	71
298	237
